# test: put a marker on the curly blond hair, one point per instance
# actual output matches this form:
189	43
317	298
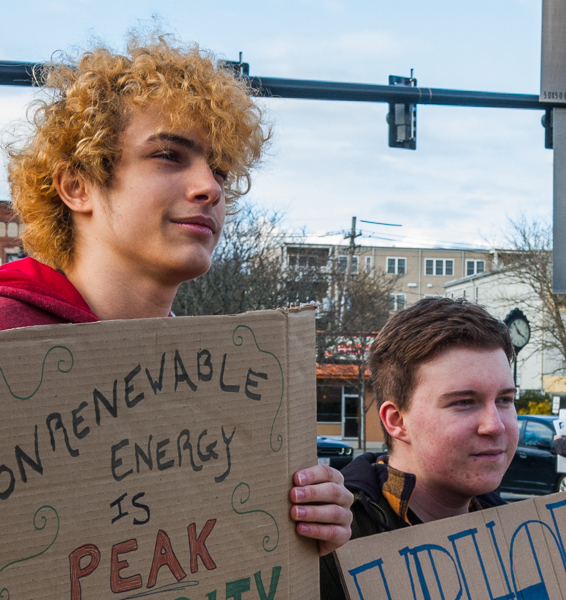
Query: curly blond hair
90	103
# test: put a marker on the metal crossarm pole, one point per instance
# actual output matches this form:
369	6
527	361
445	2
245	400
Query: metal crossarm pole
361	92
20	74
16	73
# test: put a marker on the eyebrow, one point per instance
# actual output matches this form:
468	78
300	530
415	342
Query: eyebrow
175	138
458	393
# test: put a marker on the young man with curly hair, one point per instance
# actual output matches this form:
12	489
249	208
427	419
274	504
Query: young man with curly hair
445	394
122	188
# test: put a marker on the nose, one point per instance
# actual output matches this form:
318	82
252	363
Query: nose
491	422
203	185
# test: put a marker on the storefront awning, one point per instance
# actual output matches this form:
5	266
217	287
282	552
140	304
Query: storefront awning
333	371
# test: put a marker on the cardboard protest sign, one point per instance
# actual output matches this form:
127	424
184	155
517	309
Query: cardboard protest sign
560	423
154	458
514	552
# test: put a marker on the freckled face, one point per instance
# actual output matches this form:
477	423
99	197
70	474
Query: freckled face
165	208
461	423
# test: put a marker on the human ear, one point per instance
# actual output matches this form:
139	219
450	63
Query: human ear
393	421
73	191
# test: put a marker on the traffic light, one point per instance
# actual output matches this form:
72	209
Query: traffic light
402	118
547	124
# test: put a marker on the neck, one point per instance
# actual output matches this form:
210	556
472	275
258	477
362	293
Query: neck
118	292
429	506
428	501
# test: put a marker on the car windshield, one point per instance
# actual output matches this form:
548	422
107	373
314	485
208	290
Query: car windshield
537	432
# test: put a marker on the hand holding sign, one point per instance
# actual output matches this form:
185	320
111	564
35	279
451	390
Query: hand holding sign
322	507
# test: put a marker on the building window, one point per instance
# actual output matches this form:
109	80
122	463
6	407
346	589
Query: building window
397	302
2	229
439	266
303	261
351	413
449	267
343	264
396	266
12	230
339	404
329	404
369	264
298	256
355	262
474	267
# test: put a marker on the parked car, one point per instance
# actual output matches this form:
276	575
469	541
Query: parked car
334	453
535	468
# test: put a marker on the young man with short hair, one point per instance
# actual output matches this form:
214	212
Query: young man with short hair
445	395
122	188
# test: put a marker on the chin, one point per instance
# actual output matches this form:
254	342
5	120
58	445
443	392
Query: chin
190	269
485	485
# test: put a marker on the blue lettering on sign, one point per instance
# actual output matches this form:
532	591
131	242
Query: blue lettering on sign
472	534
490	526
517	546
540	588
371	565
428	548
552	508
534	592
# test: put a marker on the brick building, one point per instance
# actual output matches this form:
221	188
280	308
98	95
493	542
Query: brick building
10	243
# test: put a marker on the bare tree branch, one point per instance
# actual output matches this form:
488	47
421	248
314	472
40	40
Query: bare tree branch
528	261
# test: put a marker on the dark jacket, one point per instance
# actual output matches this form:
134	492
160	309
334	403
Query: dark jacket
559	445
32	293
375	488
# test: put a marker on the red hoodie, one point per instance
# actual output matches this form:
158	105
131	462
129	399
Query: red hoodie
32	293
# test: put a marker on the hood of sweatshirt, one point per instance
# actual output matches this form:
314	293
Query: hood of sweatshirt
32	283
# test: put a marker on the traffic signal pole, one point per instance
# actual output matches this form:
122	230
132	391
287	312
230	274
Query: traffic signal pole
403	100
553	86
21	74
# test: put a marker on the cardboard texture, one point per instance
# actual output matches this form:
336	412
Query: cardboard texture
511	552
154	458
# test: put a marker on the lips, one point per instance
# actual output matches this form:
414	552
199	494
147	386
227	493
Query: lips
199	224
492	453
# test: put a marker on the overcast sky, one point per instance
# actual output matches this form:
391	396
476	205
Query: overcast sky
473	168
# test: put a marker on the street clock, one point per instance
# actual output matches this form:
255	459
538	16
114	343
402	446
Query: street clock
519	329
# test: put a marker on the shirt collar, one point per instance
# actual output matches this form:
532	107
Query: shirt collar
397	488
